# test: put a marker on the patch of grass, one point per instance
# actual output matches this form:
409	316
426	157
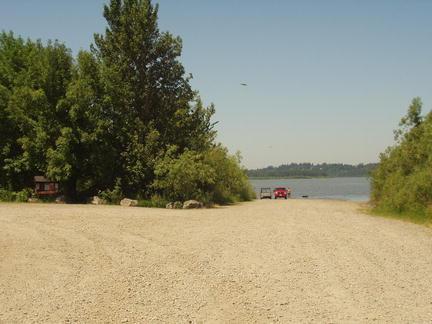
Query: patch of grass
156	201
417	217
145	203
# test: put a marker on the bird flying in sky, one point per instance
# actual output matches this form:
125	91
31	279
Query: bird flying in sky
244	84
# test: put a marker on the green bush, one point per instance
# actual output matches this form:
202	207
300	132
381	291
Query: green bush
213	176
11	196
402	182
6	195
113	196
145	203
156	201
184	177
231	182
23	195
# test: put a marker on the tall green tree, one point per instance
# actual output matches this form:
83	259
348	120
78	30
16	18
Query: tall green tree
33	80
82	157
147	91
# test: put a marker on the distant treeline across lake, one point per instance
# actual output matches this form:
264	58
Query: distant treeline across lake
310	170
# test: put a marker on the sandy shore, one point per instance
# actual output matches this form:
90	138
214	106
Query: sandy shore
266	261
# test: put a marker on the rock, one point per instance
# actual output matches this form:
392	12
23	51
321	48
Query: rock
60	200
178	205
170	205
126	202
33	200
175	205
97	201
192	204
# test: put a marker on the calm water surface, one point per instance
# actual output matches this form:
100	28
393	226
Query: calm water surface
357	189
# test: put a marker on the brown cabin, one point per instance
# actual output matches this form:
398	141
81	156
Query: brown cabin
45	187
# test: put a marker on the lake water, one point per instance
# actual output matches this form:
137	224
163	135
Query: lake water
357	189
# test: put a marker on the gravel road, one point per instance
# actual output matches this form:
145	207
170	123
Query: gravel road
265	261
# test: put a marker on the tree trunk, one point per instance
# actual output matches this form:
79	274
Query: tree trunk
70	190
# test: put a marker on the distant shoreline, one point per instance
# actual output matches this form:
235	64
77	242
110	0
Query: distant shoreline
312	171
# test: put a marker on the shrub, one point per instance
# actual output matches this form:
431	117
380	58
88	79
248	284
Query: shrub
213	176
145	203
113	196
156	201
184	177
231	182
23	195
402	182
6	195
10	196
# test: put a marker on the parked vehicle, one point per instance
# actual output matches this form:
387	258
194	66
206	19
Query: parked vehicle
266	193
282	192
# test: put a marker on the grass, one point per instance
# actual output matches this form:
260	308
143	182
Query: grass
155	201
419	217
148	204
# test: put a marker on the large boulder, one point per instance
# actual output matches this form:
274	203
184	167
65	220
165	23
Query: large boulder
126	202
170	205
97	201
192	204
174	205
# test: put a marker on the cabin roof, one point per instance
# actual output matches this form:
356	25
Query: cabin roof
42	179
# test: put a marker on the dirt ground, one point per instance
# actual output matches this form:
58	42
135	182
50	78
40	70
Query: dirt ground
265	261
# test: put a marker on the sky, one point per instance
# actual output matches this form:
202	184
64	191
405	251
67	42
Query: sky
328	81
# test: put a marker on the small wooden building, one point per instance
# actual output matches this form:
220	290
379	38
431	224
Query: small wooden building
45	187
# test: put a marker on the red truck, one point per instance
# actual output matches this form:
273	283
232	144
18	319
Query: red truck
282	192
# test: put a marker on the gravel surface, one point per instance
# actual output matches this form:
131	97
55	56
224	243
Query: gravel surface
265	261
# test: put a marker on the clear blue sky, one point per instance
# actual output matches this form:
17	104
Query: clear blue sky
328	80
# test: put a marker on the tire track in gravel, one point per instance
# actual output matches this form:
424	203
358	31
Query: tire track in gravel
265	261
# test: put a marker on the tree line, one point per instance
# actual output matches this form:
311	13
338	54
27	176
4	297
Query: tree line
402	182
121	117
302	170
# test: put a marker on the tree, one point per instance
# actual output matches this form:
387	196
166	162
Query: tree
402	182
82	158
413	118
107	121
147	91
33	80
